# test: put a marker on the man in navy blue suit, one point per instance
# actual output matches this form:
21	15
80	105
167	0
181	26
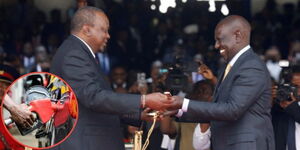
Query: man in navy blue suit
100	108
240	111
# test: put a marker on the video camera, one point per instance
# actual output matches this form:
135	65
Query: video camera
177	78
285	86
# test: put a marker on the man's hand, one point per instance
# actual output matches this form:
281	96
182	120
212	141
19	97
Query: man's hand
274	93
170	113
176	104
286	103
157	101
207	73
22	115
146	117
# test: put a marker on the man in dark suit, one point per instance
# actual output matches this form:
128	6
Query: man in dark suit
240	111
286	117
98	126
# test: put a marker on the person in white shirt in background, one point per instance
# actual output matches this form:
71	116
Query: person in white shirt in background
202	90
272	58
202	134
201	137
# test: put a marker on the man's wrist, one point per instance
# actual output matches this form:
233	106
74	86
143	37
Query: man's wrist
11	108
185	105
143	101
179	113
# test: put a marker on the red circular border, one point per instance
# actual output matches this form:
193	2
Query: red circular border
56	144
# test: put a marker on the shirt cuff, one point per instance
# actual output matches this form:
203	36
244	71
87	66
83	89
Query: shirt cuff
179	113
185	105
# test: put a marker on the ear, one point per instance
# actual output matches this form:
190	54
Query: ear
238	36
86	30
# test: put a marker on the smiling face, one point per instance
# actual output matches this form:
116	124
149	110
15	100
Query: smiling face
119	76
225	41
232	34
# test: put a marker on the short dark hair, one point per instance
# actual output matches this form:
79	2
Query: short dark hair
203	85
84	15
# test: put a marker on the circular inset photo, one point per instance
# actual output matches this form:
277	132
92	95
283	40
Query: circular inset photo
39	110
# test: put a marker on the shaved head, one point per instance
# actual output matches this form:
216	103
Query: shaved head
232	34
84	16
237	23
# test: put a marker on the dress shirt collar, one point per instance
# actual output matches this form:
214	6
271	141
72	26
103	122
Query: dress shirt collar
86	45
236	56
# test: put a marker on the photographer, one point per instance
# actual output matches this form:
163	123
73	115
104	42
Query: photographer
286	111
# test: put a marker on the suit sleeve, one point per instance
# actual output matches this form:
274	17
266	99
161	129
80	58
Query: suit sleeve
132	119
247	87
79	72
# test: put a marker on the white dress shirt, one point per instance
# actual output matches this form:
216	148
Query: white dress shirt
185	103
297	135
28	61
201	141
297	132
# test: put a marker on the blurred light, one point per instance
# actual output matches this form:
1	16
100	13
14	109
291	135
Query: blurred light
209	0
224	10
163	9
153	7
212	6
165	4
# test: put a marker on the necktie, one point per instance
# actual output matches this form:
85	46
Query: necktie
291	140
228	67
97	58
103	65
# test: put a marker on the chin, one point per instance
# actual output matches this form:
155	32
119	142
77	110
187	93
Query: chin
101	50
225	59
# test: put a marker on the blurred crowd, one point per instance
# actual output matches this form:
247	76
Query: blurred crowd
143	42
139	35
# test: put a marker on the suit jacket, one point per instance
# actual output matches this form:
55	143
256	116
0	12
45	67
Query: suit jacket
98	125
240	111
280	119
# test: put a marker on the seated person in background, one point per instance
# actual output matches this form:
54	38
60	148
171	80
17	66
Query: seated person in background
201	137
202	134
119	79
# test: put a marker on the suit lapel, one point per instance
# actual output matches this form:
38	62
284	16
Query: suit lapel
219	82
91	57
233	70
86	49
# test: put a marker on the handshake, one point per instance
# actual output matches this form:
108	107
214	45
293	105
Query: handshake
164	103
